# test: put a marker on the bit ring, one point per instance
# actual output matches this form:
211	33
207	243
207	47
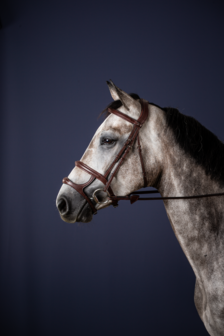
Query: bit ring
96	199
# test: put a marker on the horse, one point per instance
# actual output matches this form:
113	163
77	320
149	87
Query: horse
140	144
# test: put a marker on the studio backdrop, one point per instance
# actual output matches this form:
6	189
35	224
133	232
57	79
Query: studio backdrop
124	273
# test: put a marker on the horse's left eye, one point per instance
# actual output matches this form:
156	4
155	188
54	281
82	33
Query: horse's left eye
107	141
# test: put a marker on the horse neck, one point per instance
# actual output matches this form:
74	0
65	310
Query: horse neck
197	223
182	176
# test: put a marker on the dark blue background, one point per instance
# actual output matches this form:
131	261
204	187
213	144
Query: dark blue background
124	273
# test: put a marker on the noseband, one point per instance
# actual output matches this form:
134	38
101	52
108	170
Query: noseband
137	124
129	143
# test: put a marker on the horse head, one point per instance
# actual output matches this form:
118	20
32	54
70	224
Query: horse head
83	192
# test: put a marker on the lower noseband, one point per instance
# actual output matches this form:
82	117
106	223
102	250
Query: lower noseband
80	189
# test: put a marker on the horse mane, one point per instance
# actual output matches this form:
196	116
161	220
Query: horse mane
198	142
195	139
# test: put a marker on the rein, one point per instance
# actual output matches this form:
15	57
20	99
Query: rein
106	180
135	196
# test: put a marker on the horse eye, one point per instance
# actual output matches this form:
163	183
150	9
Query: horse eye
107	141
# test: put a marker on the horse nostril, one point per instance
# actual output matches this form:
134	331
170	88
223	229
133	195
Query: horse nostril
63	206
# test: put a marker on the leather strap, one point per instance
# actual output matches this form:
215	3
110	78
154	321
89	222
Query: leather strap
90	171
128	147
129	142
125	117
79	188
142	163
134	197
95	174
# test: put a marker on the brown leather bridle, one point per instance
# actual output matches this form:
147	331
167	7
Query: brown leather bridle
129	143
137	124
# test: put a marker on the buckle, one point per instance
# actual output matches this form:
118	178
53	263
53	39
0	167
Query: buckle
96	199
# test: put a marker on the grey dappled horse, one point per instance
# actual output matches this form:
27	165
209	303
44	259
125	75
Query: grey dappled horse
181	157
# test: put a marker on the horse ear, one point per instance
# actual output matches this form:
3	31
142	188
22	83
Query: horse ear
118	94
113	90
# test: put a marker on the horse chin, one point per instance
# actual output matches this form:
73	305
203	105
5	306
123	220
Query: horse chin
85	214
68	219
